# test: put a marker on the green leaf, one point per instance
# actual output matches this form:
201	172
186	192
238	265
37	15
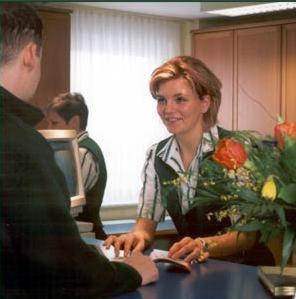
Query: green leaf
266	234
289	239
208	193
250	227
288	158
281	213
290	143
288	193
205	199
274	232
249	195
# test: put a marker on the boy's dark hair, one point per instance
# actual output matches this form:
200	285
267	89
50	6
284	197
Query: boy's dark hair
20	24
67	105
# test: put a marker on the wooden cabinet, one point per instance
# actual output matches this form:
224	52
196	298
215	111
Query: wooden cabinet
213	49
55	63
289	72
257	66
258	74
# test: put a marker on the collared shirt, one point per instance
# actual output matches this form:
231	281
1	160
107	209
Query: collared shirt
89	166
150	204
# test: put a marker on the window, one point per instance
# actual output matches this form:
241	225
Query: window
112	57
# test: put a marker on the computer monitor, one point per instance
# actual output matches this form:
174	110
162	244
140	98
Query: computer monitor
65	146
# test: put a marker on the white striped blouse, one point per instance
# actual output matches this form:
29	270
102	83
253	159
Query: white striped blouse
150	205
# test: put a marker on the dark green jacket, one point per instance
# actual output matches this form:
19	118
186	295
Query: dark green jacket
94	196
42	254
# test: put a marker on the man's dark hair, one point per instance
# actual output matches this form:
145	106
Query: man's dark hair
67	105
20	24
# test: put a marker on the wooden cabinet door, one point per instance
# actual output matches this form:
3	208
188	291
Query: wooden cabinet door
55	63
258	75
289	72
215	49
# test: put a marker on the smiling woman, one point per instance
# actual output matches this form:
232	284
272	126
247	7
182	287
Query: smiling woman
188	96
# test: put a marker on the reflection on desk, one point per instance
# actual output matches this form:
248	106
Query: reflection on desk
211	280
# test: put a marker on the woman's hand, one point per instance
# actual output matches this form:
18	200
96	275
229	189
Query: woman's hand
130	242
189	249
135	241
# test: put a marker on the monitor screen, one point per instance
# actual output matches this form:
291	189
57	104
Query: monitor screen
66	153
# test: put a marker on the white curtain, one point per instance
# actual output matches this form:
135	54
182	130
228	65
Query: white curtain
112	57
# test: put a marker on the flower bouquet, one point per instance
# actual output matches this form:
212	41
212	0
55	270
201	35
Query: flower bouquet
254	180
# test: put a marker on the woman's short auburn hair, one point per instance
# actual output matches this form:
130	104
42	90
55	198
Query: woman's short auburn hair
202	80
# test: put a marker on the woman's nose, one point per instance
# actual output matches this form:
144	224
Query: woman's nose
169	106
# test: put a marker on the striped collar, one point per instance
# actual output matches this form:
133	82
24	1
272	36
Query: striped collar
170	153
82	135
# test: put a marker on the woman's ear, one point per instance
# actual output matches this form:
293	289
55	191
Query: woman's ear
205	103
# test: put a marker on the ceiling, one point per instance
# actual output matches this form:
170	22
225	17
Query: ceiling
183	10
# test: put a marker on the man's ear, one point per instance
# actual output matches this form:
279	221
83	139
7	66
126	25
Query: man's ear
29	56
74	123
205	103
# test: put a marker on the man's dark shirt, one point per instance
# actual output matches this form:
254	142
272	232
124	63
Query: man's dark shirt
42	254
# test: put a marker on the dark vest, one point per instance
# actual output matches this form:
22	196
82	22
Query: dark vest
94	197
195	222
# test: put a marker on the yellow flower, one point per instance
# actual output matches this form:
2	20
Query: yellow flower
269	189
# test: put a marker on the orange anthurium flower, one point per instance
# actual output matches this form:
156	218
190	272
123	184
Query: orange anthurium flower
230	153
284	129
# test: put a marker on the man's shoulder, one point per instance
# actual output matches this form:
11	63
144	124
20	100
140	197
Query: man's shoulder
20	136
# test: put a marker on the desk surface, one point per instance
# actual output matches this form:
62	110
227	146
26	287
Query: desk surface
211	280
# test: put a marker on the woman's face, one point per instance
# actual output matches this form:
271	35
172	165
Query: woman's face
180	108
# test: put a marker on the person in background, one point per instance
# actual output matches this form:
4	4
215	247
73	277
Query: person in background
42	254
188	96
69	111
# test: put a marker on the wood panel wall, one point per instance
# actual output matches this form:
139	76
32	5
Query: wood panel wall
257	66
55	63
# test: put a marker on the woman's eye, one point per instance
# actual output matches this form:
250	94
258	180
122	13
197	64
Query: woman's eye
161	101
180	99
